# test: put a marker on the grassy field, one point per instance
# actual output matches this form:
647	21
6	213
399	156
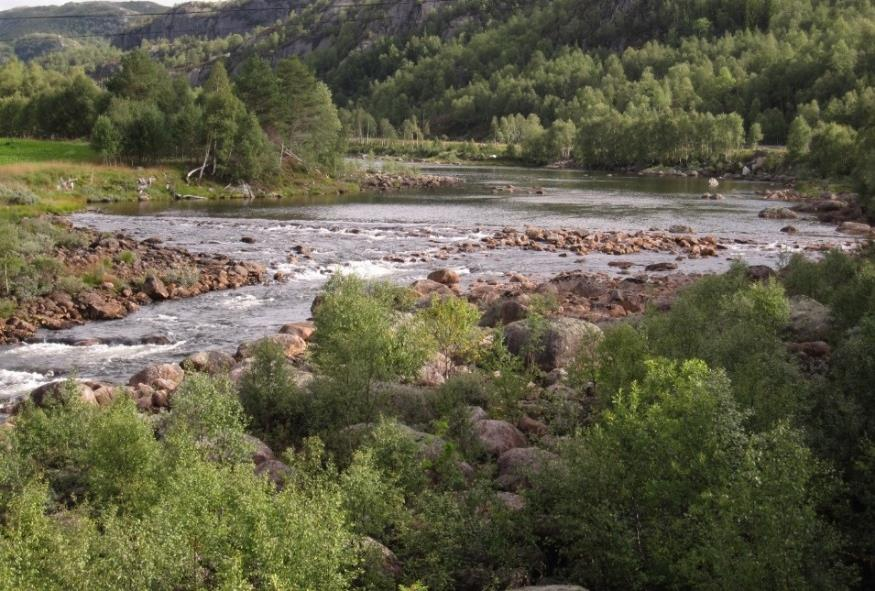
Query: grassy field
42	176
14	150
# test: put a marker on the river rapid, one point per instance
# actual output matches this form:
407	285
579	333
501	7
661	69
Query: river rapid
390	236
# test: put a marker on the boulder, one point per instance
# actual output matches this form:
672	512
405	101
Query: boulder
57	391
209	362
809	320
161	376
303	329
291	344
512	501
275	471
444	276
260	451
760	272
680	229
811	349
155	288
427	288
385	559
855	228
559	343
660	267
789	230
778	213
95	307
504	311
497	437
516	466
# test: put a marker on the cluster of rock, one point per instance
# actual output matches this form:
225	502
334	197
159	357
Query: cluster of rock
582	242
134	273
384	181
594	297
513	189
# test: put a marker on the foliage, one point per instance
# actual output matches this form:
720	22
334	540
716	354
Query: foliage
269	395
360	340
452	324
735	325
679	494
152	513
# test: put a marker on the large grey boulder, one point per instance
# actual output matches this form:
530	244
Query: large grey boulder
809	320
497	437
559	342
517	466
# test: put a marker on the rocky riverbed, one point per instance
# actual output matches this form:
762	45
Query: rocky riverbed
118	275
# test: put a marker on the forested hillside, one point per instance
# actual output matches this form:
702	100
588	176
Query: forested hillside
99	18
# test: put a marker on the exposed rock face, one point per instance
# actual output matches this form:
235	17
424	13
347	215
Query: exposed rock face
809	320
497	437
559	341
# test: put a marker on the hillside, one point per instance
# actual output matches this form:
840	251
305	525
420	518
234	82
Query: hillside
74	18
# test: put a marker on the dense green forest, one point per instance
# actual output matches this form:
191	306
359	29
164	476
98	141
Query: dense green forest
690	450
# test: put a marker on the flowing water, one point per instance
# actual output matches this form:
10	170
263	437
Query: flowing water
358	234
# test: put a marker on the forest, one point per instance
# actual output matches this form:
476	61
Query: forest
241	130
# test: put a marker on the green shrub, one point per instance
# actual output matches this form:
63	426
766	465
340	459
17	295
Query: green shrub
206	410
679	495
280	411
452	323
735	325
360	340
17	194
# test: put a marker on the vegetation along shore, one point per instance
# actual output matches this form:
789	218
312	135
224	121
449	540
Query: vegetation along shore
451	295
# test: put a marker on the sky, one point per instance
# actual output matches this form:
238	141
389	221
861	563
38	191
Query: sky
4	4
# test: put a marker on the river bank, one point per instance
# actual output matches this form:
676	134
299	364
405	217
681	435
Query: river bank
108	276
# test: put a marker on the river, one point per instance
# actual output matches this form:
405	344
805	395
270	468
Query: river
358	234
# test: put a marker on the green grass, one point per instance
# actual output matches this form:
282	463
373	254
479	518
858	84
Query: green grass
14	150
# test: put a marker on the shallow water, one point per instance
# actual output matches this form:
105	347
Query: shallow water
355	234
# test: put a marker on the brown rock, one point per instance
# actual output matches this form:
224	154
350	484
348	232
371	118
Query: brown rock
291	344
95	307
497	437
155	288
166	376
444	276
210	362
303	329
517	466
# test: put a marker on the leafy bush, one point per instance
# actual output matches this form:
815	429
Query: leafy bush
91	499
360	339
280	411
735	325
17	194
679	495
